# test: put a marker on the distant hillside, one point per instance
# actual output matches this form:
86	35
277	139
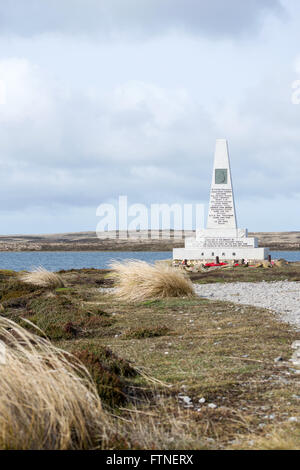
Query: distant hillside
138	241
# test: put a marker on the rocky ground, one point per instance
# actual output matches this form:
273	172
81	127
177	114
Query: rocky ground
282	297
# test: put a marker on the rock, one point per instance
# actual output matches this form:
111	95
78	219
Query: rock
295	359
201	400
280	262
187	400
266	264
278	359
212	405
293	419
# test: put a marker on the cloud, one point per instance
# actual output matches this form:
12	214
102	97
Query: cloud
264	139
64	148
59	146
134	18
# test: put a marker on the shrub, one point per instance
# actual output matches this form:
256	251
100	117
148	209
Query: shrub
108	372
138	280
147	332
43	278
13	288
47	397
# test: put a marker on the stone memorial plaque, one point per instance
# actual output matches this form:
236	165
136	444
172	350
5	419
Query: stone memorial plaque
221	210
221	176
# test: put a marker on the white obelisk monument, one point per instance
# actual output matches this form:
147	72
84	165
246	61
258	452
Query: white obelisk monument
221	238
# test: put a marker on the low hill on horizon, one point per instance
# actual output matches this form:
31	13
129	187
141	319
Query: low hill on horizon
159	240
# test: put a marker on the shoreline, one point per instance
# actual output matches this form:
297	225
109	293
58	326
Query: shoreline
129	249
137	241
116	248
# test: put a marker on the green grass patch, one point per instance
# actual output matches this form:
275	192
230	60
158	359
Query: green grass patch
63	289
141	333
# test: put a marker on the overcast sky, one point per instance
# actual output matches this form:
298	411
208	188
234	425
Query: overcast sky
127	97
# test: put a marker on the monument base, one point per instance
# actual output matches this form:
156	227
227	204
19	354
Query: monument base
227	244
224	254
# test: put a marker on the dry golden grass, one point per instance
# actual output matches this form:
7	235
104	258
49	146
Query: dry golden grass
137	281
283	436
47	398
43	278
287	437
163	425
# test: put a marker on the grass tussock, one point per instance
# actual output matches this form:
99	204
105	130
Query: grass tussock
163	425
137	281
47	398
42	278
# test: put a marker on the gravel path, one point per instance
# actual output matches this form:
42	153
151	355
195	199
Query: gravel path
282	297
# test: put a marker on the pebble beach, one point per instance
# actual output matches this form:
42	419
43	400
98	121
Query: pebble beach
281	297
